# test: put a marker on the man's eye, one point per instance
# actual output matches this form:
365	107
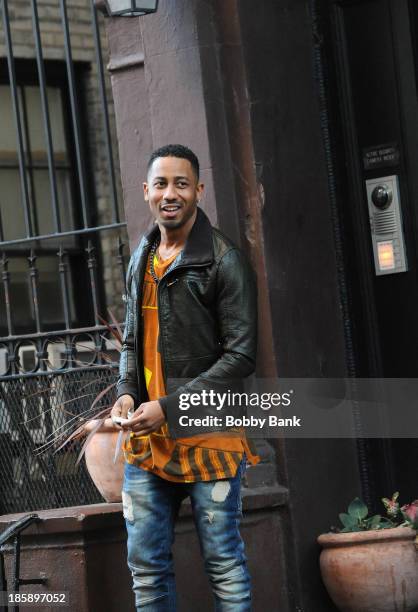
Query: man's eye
159	184
181	184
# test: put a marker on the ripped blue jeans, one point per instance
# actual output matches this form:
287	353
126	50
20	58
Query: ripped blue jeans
150	508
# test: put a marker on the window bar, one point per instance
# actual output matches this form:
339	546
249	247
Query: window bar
6	285
105	110
74	112
100	345
29	164
62	268
1	228
69	352
33	280
63	272
86	230
24	477
92	265
16	113
12	359
44	406
42	355
45	112
49	462
121	262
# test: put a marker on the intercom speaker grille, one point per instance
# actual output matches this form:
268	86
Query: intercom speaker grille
384	222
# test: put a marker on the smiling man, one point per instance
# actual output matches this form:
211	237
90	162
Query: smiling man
191	314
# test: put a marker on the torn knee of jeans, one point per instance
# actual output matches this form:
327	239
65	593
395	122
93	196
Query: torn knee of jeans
220	491
210	516
127	506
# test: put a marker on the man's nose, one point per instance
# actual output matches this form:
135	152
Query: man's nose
170	192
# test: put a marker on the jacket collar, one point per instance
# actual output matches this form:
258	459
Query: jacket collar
199	245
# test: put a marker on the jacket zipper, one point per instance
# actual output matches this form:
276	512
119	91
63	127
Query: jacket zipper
139	359
161	337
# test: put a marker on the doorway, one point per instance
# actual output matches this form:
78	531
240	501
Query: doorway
372	55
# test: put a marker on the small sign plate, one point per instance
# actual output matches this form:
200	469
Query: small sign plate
381	156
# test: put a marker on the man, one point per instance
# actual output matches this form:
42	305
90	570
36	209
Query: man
191	314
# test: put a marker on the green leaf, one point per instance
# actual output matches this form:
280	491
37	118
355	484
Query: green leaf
358	509
374	521
347	520
385	524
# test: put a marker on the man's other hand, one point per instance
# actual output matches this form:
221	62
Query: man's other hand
123	405
147	418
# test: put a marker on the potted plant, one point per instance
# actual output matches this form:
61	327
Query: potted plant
102	442
104	459
371	563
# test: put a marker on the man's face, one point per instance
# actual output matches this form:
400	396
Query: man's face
172	191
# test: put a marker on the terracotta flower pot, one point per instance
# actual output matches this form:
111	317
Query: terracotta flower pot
371	571
99	454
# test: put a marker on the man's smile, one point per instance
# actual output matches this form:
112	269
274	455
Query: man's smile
170	207
170	211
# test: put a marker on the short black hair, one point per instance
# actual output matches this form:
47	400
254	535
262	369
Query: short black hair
175	150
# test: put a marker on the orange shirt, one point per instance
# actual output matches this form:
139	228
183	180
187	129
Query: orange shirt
210	456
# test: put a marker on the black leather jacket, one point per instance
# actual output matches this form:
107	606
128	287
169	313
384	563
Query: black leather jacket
207	310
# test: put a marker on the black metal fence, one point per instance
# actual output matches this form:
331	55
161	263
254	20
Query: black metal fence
32	409
56	354
48	383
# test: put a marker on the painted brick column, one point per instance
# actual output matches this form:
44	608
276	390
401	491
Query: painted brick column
178	76
167	88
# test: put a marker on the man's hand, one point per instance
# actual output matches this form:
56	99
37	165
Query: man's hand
147	418
123	405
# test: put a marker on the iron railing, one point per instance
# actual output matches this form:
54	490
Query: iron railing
48	382
49	377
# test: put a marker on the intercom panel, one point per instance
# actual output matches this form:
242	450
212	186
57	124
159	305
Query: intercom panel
385	215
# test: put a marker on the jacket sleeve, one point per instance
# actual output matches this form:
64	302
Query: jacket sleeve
236	311
128	378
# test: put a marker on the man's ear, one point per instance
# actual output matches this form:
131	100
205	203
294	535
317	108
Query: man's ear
200	188
145	186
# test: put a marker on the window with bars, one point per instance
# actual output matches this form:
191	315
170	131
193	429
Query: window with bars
36	164
39	214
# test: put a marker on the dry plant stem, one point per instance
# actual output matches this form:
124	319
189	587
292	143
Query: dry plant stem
92	419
